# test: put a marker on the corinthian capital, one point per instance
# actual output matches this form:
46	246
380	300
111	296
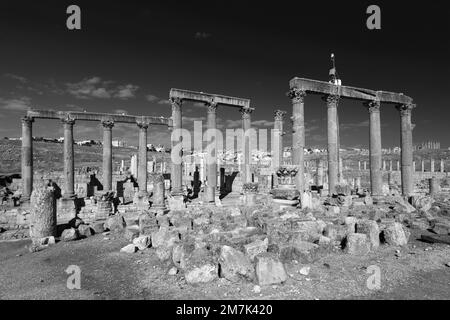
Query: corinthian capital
405	109
246	111
108	123
373	106
68	119
296	95
279	115
212	106
27	120
142	123
332	100
176	104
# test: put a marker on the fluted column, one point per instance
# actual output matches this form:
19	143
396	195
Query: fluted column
142	159
69	165
107	154
298	135
277	147
27	158
246	125
376	178
406	153
332	103
176	174
212	157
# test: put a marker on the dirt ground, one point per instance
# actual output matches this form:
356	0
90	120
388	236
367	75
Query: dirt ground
419	272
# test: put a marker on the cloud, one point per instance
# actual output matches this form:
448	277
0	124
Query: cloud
126	92
15	77
262	123
163	102
151	97
121	111
21	104
95	87
202	35
233	123
349	126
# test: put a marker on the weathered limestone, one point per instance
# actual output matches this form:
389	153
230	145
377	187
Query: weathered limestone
432	165
376	178
333	152
176	174
407	148
298	135
43	214
69	192
212	157
158	199
246	125
434	186
277	149
107	154
142	163
27	157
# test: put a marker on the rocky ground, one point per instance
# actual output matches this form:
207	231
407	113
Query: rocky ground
244	253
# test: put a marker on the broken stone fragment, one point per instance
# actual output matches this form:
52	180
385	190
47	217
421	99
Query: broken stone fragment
441	227
350	222
235	265
336	232
75	222
115	223
131	233
69	234
357	244
395	234
269	270
256	247
85	231
130	248
200	267
142	242
98	227
371	230
164	237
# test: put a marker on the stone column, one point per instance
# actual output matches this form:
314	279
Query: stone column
376	178
332	103
69	166
434	186
359	165
211	159
246	124
407	144
27	158
158	198
107	154
390	165
142	161
43	214
319	172
175	175
398	165
432	165
422	163
384	165
298	135
414	166
442	166
277	149
365	165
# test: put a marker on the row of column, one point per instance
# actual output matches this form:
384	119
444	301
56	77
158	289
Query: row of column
69	165
211	122
298	142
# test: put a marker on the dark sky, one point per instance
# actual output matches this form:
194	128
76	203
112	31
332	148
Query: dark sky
130	53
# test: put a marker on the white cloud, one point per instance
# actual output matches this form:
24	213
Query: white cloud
151	97
21	104
16	77
163	102
95	87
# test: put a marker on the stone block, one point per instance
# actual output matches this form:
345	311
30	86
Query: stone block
142	242
269	270
371	230
256	247
85	231
69	234
357	244
395	234
235	265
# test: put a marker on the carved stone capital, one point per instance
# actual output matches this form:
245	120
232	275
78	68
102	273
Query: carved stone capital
405	109
26	120
373	106
142	124
212	106
245	112
332	100
68	120
296	95
279	115
108	124
176	104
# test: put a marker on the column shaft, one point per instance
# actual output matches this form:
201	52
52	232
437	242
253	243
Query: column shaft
298	135
212	154
406	151
69	165
376	178
142	162
332	102
27	158
107	154
176	174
